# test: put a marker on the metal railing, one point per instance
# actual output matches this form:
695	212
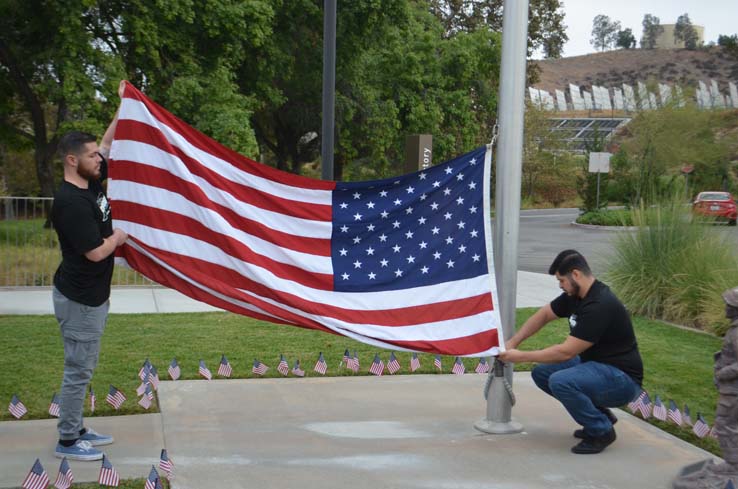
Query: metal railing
29	251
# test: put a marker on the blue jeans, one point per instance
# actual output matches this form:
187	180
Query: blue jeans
584	387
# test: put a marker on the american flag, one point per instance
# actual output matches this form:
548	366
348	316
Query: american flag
108	475
54	406
166	464
296	370
458	368
644	405
659	410
259	368
377	366
437	362
403	263
115	397
414	362
148	396
143	372
36	478
687	416
152	479
674	414
174	371
283	367
320	366
346	358
65	477
142	388
701	428
482	367
353	362
224	369
204	371
635	403
93	400
713	432
154	378
16	407
393	365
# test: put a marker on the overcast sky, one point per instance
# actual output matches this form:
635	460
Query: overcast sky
717	16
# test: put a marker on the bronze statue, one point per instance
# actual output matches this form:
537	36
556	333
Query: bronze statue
707	474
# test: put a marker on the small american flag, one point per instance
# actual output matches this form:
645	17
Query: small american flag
166	464
320	366
437	362
713	433
346	358
93	400
142	388
115	397
154	378
414	362
174	371
283	367
393	365
458	368
296	370
144	370
674	414
353	362
259	368
644	405
65	477
687	416
377	366
204	371
482	367
145	401
659	410
152	479
36	478
224	369
108	474
701	428
54	406
16	407
633	405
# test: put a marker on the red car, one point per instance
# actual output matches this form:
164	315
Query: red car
716	204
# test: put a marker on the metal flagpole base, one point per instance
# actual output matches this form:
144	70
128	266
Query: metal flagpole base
498	428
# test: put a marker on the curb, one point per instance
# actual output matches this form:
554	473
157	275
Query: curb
604	228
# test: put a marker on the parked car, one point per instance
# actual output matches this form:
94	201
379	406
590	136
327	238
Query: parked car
719	205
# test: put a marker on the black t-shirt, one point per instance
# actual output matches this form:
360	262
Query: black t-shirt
81	218
602	319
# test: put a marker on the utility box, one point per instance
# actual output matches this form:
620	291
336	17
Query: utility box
418	152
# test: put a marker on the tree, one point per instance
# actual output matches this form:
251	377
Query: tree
625	39
604	32
652	29
684	31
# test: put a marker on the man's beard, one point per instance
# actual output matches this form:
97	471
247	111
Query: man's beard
575	289
88	174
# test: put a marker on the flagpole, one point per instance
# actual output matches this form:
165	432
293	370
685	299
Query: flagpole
509	158
329	88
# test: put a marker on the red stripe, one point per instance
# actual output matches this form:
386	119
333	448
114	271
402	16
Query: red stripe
466	345
156	177
177	223
427	313
138	131
211	146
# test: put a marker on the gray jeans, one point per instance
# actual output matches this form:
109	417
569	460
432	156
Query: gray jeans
81	329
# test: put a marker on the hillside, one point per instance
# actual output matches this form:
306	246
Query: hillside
613	68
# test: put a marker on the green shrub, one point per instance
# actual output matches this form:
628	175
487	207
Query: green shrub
604	217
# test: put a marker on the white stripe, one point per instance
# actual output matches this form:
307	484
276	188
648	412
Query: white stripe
154	157
164	199
135	110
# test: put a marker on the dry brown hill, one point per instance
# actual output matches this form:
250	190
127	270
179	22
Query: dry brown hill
613	68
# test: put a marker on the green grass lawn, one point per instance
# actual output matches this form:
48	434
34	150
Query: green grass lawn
678	362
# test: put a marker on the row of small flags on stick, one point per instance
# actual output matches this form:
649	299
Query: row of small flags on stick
37	478
644	406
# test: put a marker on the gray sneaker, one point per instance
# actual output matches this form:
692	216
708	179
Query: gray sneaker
95	438
81	450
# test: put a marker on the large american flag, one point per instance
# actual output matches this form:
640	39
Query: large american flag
108	475
37	478
403	263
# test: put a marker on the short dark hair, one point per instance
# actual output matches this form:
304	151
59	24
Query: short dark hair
73	143
569	260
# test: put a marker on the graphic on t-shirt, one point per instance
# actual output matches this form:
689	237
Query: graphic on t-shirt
573	321
104	205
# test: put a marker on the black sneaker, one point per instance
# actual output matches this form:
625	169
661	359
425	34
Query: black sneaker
610	415
594	444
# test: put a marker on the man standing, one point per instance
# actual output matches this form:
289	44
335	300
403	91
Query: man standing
82	220
598	366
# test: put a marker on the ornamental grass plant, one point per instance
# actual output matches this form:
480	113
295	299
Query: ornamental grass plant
674	266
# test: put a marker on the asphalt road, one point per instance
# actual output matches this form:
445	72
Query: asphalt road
546	232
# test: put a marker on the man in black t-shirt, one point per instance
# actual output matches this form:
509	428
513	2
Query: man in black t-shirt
598	366
82	220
